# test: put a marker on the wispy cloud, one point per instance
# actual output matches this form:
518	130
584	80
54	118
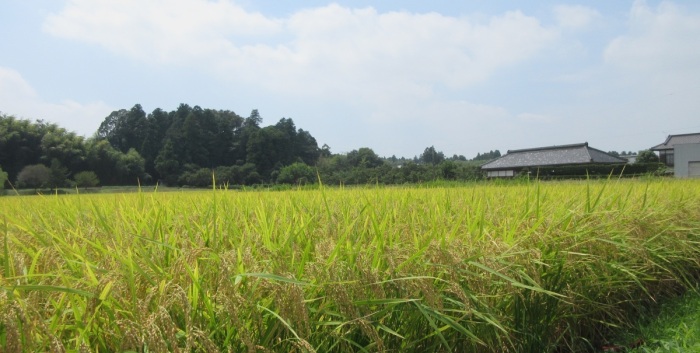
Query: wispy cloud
19	98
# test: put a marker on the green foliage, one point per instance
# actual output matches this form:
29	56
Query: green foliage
253	178
3	178
181	146
58	175
460	157
647	156
130	167
23	143
112	166
364	158
65	147
167	163
449	170
197	177
345	169
282	144
199	136
673	328
237	175
487	156
297	174
34	176
205	138
124	129
177	147
593	171
86	179
265	148
431	156
325	151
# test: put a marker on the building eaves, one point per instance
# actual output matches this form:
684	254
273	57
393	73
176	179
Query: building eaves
673	140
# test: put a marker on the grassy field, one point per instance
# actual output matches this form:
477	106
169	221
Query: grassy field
673	326
478	268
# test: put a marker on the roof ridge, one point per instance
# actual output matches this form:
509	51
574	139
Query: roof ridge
666	144
688	134
555	147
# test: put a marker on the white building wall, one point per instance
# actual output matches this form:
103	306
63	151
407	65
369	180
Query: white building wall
685	154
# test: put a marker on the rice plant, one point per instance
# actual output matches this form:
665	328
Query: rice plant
530	267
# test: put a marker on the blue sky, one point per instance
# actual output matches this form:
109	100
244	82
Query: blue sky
396	76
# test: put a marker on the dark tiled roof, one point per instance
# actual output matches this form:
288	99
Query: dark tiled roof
672	140
554	155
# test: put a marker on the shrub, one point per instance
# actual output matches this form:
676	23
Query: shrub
34	176
86	179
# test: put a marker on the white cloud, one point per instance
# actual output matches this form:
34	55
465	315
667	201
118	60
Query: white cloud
13	88
656	65
331	50
415	47
18	98
391	72
659	41
386	69
160	31
575	16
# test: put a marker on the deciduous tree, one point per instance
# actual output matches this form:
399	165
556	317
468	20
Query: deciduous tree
34	176
647	156
58	175
364	157
86	179
296	173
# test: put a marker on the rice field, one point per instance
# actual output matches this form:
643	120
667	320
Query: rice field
535	267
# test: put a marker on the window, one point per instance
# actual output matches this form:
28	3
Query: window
500	173
666	157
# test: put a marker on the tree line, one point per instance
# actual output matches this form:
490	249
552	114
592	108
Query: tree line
189	144
181	145
39	154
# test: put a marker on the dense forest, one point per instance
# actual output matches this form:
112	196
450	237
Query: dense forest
186	146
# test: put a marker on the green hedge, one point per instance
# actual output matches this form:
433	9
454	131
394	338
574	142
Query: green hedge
595	171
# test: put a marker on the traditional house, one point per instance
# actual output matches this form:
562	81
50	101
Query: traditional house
631	158
515	161
682	153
